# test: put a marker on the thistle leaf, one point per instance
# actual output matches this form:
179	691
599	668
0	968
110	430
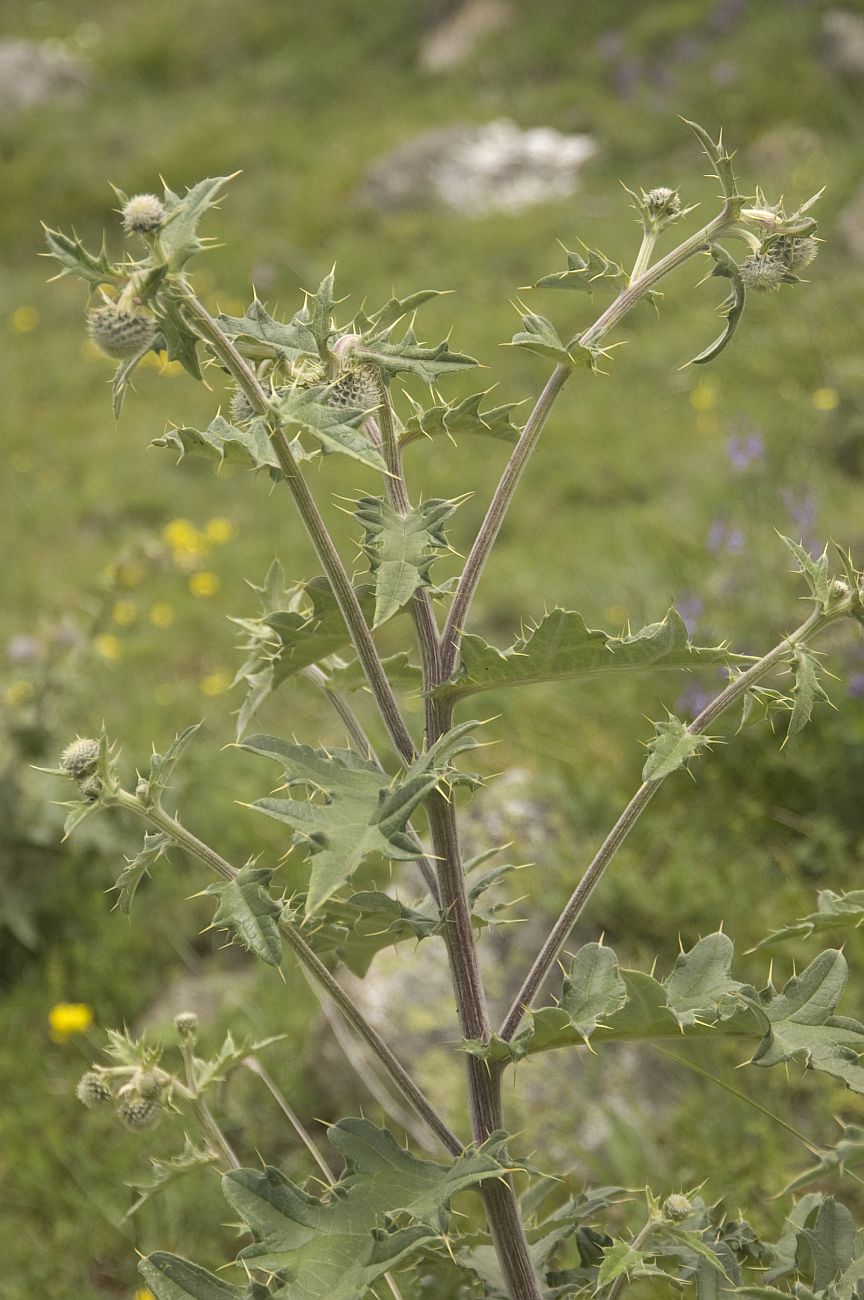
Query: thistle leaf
337	429
156	844
815	571
672	746
834	911
806	692
336	1248
259	336
458	418
732	309
539	335
171	1278
162	765
562	647
719	158
74	259
305	637
399	669
363	811
401	548
408	357
224	442
178	235
396	309
181	341
588	271
250	913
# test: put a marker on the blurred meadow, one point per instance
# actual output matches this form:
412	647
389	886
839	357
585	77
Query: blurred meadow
653	484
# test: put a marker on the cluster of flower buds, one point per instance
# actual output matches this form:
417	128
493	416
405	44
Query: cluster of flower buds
138	1102
80	760
357	387
788	245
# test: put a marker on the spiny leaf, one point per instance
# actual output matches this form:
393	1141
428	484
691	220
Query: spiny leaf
250	913
719	157
259	336
124	372
834	911
827	1245
335	1249
401	548
168	1170
618	1258
562	646
320	310
399	669
672	746
225	442
156	844
408	357
178	235
815	571
806	691
181	340
171	1278
363	813
539	335
394	311
74	259
589	271
458	418
732	309
162	765
833	1161
337	429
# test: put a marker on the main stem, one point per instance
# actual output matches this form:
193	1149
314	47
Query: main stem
350	1012
337	575
559	933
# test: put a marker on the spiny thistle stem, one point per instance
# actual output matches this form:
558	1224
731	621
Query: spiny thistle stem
337	575
202	1110
559	933
350	1011
521	454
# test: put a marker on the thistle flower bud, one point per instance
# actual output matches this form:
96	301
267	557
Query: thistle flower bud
147	1083
139	1112
143	214
357	387
91	787
119	333
761	273
186	1023
93	1090
677	1207
241	408
663	202
80	758
795	254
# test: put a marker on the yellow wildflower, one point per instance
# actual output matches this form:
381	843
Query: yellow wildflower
161	614
68	1018
826	399
703	397
125	612
18	693
215	683
182	534
218	530
24	319
204	583
108	646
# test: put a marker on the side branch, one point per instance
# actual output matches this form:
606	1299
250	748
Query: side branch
559	933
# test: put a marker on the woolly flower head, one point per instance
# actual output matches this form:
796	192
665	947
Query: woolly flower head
139	1112
119	333
762	273
677	1207
143	214
795	254
663	202
93	1090
80	758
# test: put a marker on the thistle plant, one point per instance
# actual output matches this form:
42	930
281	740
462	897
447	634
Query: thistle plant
295	391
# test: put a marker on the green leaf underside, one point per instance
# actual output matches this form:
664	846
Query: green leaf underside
156	844
353	810
589	271
460	419
74	259
335	428
806	692
539	335
162	765
401	548
171	1278
847	1152
562	646
815	572
250	913
833	911
180	340
732	309
260	336
335	1249
178	235
306	638
672	745
226	443
378	322
601	1002
409	357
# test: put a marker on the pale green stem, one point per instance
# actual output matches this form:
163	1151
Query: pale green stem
643	257
202	1110
351	1013
254	1065
651	1225
738	687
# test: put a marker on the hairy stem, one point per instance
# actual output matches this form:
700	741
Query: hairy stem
559	933
305	955
205	1116
521	454
337	575
254	1065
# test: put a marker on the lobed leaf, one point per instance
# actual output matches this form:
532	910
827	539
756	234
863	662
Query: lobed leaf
74	259
563	647
833	911
178	235
409	357
156	844
672	746
539	335
260	336
806	692
250	913
588	271
815	571
336	429
225	442
401	548
732	309
171	1278
458	418
181	341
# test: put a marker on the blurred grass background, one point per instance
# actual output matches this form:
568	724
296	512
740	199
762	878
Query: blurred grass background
637	498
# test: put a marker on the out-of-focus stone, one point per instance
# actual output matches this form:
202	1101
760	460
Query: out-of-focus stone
459	34
477	170
844	42
34	73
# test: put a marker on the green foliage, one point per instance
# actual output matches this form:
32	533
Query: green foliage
178	236
732	309
834	911
562	647
401	548
250	913
540	336
671	747
459	418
